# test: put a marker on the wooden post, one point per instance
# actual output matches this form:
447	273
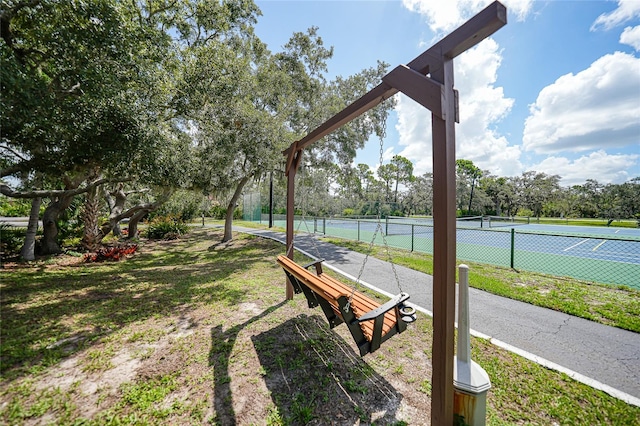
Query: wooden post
444	248
293	161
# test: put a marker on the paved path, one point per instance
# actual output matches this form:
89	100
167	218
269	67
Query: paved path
604	357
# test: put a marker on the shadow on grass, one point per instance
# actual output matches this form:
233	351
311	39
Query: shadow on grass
50	314
313	375
222	343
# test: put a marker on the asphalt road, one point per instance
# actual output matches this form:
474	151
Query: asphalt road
604	357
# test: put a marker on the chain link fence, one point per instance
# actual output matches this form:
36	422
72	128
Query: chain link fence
607	255
251	207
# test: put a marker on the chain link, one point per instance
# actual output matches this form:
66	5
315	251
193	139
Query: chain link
382	136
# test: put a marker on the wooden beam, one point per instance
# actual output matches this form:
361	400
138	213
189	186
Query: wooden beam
472	32
291	154
369	100
438	62
418	87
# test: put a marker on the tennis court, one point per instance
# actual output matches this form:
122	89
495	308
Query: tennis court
599	254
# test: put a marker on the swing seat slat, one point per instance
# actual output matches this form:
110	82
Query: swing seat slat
369	322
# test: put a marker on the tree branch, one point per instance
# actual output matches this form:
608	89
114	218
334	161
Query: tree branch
6	190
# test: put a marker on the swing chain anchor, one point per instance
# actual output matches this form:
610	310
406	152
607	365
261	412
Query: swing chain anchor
407	313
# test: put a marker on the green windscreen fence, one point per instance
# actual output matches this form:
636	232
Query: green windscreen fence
251	207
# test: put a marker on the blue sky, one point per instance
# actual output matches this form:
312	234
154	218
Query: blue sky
557	90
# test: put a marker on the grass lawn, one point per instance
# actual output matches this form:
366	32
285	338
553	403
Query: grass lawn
194	331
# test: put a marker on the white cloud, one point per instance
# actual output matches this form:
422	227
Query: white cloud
631	36
445	16
598	165
481	106
598	106
626	10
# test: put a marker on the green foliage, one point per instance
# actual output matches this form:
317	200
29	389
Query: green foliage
185	205
219	213
525	213
14	207
11	239
166	227
144	395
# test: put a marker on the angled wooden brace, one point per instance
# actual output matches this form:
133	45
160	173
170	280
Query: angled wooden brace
422	89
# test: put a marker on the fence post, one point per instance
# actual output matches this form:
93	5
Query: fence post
358	230
412	233
513	239
324	226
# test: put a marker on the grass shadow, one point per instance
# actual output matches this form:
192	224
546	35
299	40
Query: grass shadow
222	345
315	377
50	313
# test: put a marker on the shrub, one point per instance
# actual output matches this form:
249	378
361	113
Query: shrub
219	213
11	239
15	207
111	253
166	227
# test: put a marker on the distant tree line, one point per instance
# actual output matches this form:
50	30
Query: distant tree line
393	189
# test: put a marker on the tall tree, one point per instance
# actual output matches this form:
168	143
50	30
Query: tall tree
535	189
420	194
386	173
92	84
468	176
403	168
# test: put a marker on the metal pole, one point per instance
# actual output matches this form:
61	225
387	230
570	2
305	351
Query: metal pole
270	200
412	234
513	249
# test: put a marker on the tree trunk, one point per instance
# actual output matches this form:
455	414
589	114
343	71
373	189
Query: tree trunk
228	222
92	234
116	201
133	223
50	226
473	185
28	251
144	210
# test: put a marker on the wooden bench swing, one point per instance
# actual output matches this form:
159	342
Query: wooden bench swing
429	80
369	322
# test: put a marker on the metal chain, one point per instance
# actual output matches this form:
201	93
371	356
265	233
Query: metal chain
384	237
382	136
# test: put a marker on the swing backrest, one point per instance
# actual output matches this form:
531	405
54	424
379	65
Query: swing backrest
368	330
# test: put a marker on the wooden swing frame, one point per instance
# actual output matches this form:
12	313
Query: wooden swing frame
369	322
428	80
